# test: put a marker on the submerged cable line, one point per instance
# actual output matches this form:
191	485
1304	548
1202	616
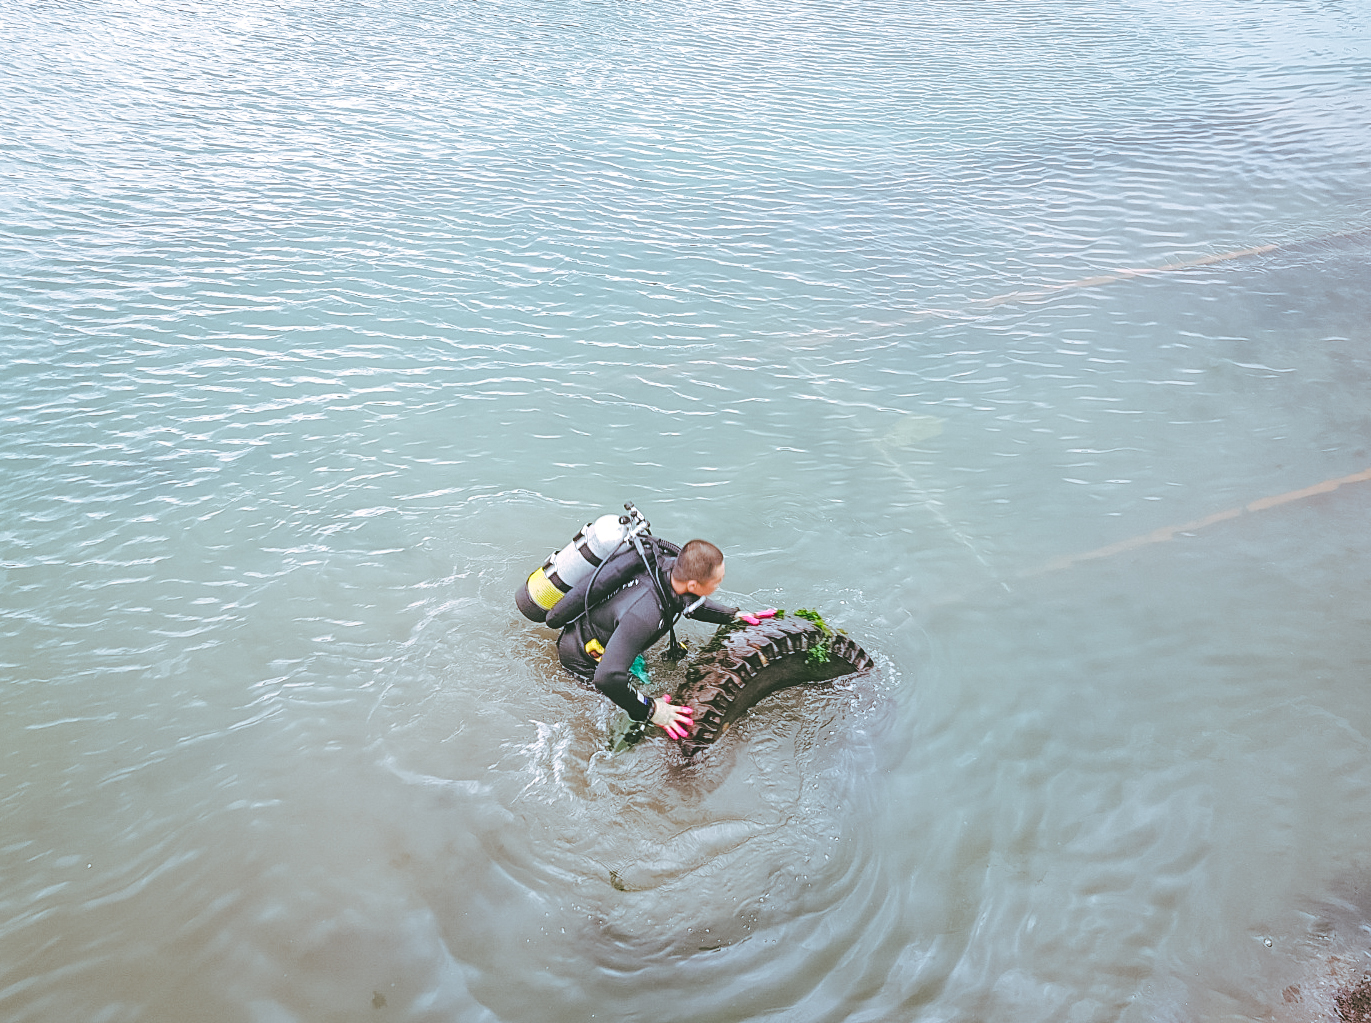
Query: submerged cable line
1127	274
1170	532
1124	275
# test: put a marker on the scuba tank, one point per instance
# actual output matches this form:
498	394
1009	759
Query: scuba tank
618	571
577	561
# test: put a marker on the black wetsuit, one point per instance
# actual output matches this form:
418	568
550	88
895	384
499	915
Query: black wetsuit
626	623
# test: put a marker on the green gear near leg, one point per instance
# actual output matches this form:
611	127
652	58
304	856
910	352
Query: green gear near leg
627	733
639	670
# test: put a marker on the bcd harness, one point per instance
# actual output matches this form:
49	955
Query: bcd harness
616	572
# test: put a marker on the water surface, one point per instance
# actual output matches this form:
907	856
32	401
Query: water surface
325	323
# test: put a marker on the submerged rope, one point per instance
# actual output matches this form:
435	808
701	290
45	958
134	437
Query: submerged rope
1158	535
1124	275
1170	532
1128	274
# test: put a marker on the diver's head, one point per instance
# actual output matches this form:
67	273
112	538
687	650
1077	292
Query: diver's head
699	569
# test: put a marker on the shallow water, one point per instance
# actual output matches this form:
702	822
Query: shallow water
325	323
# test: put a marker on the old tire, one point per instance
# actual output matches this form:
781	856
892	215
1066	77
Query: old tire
746	665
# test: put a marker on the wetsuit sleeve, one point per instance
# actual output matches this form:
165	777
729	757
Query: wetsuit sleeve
714	613
634	634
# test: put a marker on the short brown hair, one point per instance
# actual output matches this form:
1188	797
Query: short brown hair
698	561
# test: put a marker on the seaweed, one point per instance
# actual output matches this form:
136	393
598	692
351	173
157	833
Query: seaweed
818	653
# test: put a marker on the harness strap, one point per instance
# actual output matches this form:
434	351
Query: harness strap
675	649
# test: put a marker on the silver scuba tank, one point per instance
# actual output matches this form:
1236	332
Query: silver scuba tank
550	581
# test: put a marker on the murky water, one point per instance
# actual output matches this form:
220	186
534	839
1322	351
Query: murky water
324	323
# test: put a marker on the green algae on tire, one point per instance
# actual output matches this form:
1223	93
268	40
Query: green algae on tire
741	666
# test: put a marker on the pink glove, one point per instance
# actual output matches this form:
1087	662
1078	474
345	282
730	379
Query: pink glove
755	617
676	721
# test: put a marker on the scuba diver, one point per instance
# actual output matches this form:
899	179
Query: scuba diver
614	591
603	645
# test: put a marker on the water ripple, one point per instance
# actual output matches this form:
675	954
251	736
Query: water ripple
308	367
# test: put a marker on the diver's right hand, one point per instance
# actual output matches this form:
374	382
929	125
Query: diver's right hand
676	721
755	617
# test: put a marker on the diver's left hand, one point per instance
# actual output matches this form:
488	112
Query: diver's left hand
755	617
676	721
